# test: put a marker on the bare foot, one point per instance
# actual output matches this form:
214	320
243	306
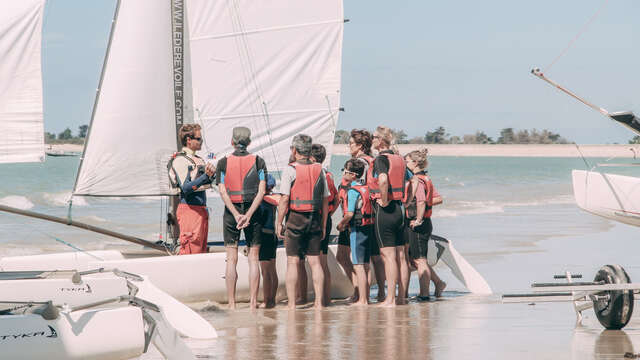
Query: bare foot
388	304
440	288
318	305
360	303
232	306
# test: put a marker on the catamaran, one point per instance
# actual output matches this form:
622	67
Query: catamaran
71	315
273	67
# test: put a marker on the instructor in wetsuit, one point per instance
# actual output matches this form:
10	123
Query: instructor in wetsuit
188	172
387	189
305	196
241	182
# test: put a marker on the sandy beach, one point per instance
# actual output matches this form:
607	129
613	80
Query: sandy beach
64	148
515	150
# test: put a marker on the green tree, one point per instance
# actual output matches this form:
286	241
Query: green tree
635	140
438	136
341	137
416	140
82	131
400	136
507	136
65	135
49	136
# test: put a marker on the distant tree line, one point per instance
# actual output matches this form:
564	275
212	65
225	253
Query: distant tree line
440	136
66	136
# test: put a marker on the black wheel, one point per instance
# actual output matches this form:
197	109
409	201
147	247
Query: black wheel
613	308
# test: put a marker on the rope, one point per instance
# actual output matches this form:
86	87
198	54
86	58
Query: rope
582	31
583	158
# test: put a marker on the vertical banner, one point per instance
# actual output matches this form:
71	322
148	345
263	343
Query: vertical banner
177	22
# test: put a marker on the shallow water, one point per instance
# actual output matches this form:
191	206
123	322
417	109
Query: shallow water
513	219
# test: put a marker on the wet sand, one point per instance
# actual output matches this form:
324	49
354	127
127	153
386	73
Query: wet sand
458	326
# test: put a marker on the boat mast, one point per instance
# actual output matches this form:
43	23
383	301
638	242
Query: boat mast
178	15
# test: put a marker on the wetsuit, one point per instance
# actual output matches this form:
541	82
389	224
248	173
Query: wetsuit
268	241
418	237
389	220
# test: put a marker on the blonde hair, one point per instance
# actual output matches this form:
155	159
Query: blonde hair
420	157
386	135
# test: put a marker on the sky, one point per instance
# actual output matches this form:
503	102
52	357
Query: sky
417	65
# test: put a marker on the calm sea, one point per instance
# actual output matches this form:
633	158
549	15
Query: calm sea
493	208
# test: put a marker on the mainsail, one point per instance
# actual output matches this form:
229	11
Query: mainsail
272	66
21	126
133	129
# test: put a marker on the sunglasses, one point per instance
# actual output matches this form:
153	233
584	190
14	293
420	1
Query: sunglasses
347	171
197	138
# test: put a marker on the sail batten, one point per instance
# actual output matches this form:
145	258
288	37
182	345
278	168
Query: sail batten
21	109
273	67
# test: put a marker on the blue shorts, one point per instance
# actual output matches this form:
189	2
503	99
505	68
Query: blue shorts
360	244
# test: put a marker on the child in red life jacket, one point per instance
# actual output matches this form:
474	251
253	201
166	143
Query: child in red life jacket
419	201
269	244
358	221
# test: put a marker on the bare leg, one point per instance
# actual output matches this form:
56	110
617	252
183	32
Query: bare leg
391	271
231	275
343	257
301	298
440	285
254	276
424	275
274	282
292	280
266	283
410	268
318	280
327	279
403	271
378	267
363	284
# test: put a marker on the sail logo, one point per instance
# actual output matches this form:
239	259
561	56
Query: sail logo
52	334
177	21
84	289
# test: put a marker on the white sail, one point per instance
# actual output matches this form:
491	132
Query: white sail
133	129
273	66
21	127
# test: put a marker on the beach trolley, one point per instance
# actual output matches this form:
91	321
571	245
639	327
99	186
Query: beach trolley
610	294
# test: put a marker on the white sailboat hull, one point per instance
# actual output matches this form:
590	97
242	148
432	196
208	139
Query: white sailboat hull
614	197
188	278
88	334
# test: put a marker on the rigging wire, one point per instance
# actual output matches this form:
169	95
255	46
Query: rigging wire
66	243
251	75
578	35
583	158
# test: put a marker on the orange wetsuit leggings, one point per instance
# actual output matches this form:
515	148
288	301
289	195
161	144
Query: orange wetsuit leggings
194	228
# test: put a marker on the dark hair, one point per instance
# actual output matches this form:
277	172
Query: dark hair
187	131
356	166
318	152
363	138
302	144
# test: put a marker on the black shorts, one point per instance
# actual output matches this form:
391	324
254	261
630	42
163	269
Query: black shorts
303	234
343	238
324	245
418	239
389	225
252	232
268	246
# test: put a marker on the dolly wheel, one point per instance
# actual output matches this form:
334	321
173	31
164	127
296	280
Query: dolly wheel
613	308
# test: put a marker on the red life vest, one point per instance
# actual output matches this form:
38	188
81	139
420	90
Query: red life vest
333	192
272	199
307	191
241	178
412	205
363	214
397	169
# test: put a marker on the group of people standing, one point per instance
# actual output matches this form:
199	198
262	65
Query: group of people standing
386	204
